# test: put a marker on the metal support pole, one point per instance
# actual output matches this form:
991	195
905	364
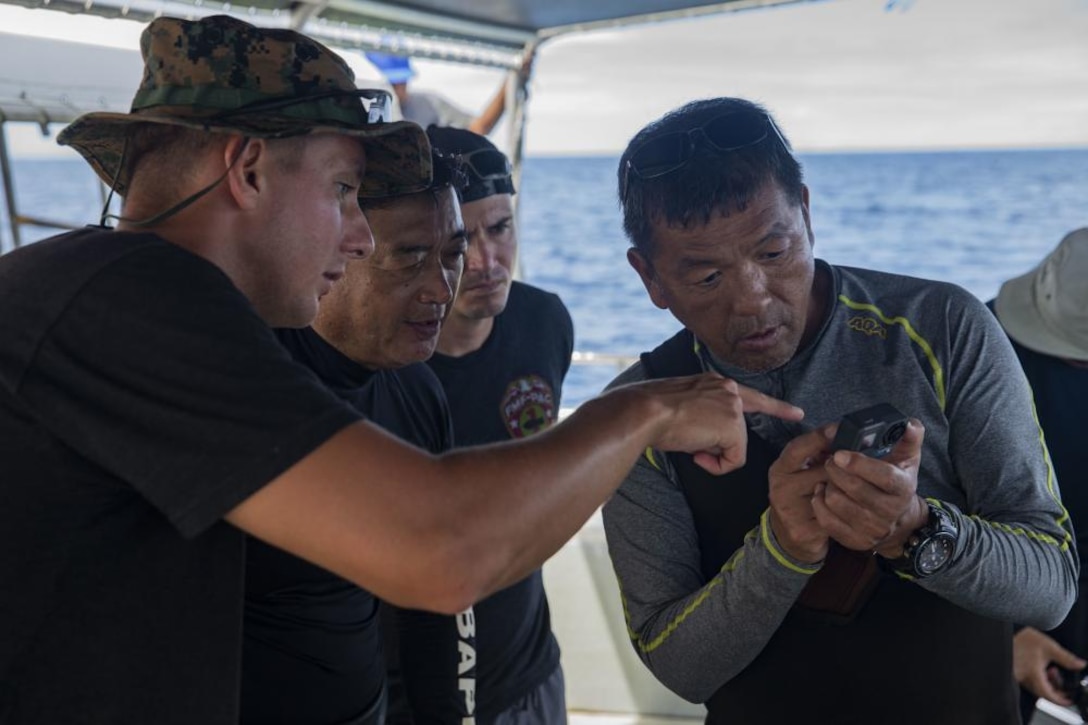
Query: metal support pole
103	194
9	188
517	94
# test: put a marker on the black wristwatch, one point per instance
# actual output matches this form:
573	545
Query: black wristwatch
930	548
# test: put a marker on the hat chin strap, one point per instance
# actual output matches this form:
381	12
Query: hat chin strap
183	204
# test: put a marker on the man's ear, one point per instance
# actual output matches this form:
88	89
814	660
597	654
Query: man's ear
248	160
646	273
807	214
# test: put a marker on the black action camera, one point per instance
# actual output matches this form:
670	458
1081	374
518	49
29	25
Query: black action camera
873	431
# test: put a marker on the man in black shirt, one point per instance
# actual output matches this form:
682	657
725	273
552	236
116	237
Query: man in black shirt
502	357
312	652
1045	314
145	402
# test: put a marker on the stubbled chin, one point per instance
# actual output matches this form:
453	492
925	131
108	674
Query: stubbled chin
480	309
419	353
766	362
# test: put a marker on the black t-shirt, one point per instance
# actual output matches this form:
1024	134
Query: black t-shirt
312	648
1061	400
141	399
509	388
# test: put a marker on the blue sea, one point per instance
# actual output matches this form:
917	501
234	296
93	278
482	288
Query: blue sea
974	218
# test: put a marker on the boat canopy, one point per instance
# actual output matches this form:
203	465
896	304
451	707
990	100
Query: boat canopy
80	78
487	32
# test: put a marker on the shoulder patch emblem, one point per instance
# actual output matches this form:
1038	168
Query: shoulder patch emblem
867	325
528	406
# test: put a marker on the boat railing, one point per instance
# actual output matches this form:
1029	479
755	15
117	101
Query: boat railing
615	360
618	361
16	219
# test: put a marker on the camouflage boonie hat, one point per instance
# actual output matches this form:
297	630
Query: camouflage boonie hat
224	75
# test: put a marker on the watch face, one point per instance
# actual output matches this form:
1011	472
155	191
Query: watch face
933	554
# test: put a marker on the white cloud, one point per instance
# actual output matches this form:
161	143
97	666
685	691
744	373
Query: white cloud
838	74
846	73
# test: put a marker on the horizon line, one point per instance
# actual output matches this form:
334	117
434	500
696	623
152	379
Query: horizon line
818	151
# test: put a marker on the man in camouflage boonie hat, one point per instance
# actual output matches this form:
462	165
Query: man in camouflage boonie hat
224	75
149	417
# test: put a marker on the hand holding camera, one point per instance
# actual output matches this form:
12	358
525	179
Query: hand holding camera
870	501
860	501
792	478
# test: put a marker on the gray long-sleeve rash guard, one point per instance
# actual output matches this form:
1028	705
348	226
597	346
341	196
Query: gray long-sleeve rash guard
933	351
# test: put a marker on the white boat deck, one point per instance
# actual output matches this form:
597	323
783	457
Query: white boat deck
606	684
577	717
1047	713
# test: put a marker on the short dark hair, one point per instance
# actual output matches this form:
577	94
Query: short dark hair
448	173
707	183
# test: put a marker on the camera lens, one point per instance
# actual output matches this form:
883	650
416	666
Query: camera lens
894	433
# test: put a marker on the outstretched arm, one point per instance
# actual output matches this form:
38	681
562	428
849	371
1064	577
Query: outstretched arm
398	522
489	117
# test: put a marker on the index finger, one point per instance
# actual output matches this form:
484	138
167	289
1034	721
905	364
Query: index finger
757	402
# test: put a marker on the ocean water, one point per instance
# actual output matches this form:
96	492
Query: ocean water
973	218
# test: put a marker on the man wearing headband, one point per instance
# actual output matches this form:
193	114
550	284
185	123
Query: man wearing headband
817	583
312	648
1045	314
502	357
145	402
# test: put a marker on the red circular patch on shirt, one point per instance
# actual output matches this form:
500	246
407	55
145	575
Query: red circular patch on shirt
528	406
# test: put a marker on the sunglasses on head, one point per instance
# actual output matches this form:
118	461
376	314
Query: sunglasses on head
487	164
669	152
377	102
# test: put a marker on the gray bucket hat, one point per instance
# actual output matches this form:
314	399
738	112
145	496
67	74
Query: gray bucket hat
1046	310
220	74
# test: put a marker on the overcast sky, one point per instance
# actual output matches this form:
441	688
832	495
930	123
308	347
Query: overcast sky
838	74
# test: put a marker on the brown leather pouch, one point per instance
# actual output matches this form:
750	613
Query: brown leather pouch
842	586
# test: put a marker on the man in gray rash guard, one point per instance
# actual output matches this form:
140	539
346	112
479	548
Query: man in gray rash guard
812	585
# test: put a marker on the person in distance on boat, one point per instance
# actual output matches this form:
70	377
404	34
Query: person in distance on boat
312	646
432	109
149	416
812	585
502	356
1045	314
